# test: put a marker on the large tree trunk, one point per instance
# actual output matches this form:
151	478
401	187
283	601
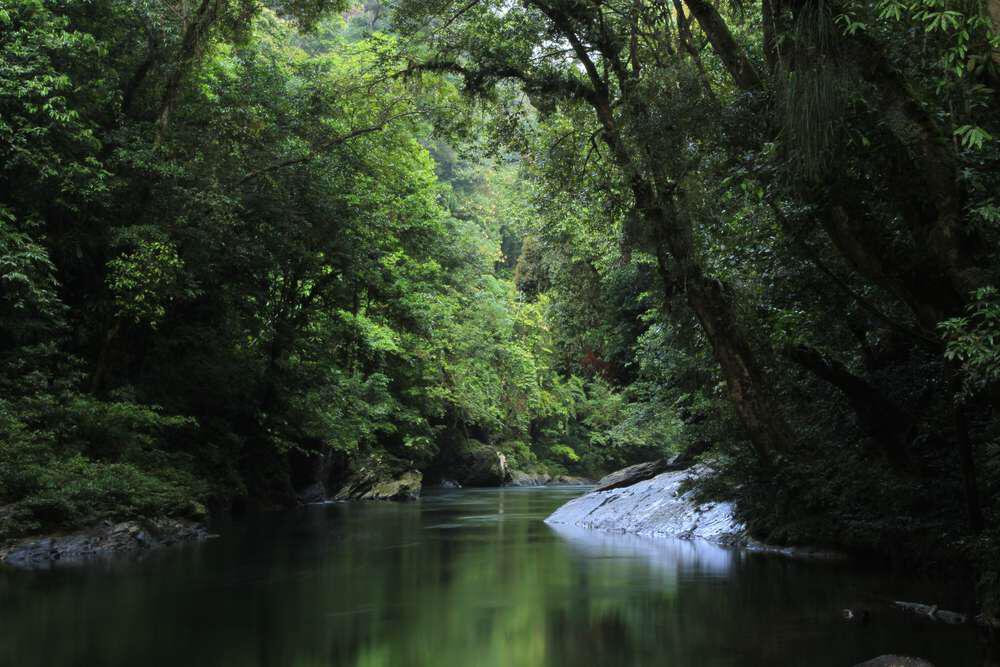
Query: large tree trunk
877	416
687	44
729	51
196	36
937	224
853	237
711	302
655	201
994	9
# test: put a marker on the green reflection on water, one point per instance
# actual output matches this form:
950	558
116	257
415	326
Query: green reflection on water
461	578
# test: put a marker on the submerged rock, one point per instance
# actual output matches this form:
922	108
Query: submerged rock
105	539
655	507
379	485
449	484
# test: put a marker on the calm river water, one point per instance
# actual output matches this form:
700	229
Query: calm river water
469	578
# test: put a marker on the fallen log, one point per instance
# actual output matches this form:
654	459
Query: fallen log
640	472
932	612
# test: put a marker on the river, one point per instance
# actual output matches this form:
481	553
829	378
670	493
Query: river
469	578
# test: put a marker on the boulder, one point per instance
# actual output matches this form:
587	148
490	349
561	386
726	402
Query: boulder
659	506
314	493
378	484
485	466
631	475
449	484
894	661
570	480
519	478
102	540
643	471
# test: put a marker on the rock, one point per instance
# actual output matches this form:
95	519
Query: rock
103	540
659	507
314	493
485	466
569	480
449	484
655	507
894	661
632	475
379	485
519	478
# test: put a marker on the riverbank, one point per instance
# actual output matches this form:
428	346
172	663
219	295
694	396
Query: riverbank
655	500
463	576
106	539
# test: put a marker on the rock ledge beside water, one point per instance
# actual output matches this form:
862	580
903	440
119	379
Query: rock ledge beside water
665	505
658	506
102	540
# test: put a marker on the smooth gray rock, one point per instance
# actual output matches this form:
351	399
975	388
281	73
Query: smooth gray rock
105	539
449	484
655	507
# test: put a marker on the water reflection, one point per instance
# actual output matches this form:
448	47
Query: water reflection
692	557
463	578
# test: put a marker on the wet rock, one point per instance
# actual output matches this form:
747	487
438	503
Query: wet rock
105	539
380	485
314	493
569	480
655	507
449	484
894	661
485	466
312	468
519	478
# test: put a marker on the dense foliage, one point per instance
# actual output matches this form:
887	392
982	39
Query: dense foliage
235	242
773	228
242	237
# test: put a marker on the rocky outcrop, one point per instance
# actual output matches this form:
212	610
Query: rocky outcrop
484	466
377	484
519	478
658	506
666	505
314	493
103	540
569	480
